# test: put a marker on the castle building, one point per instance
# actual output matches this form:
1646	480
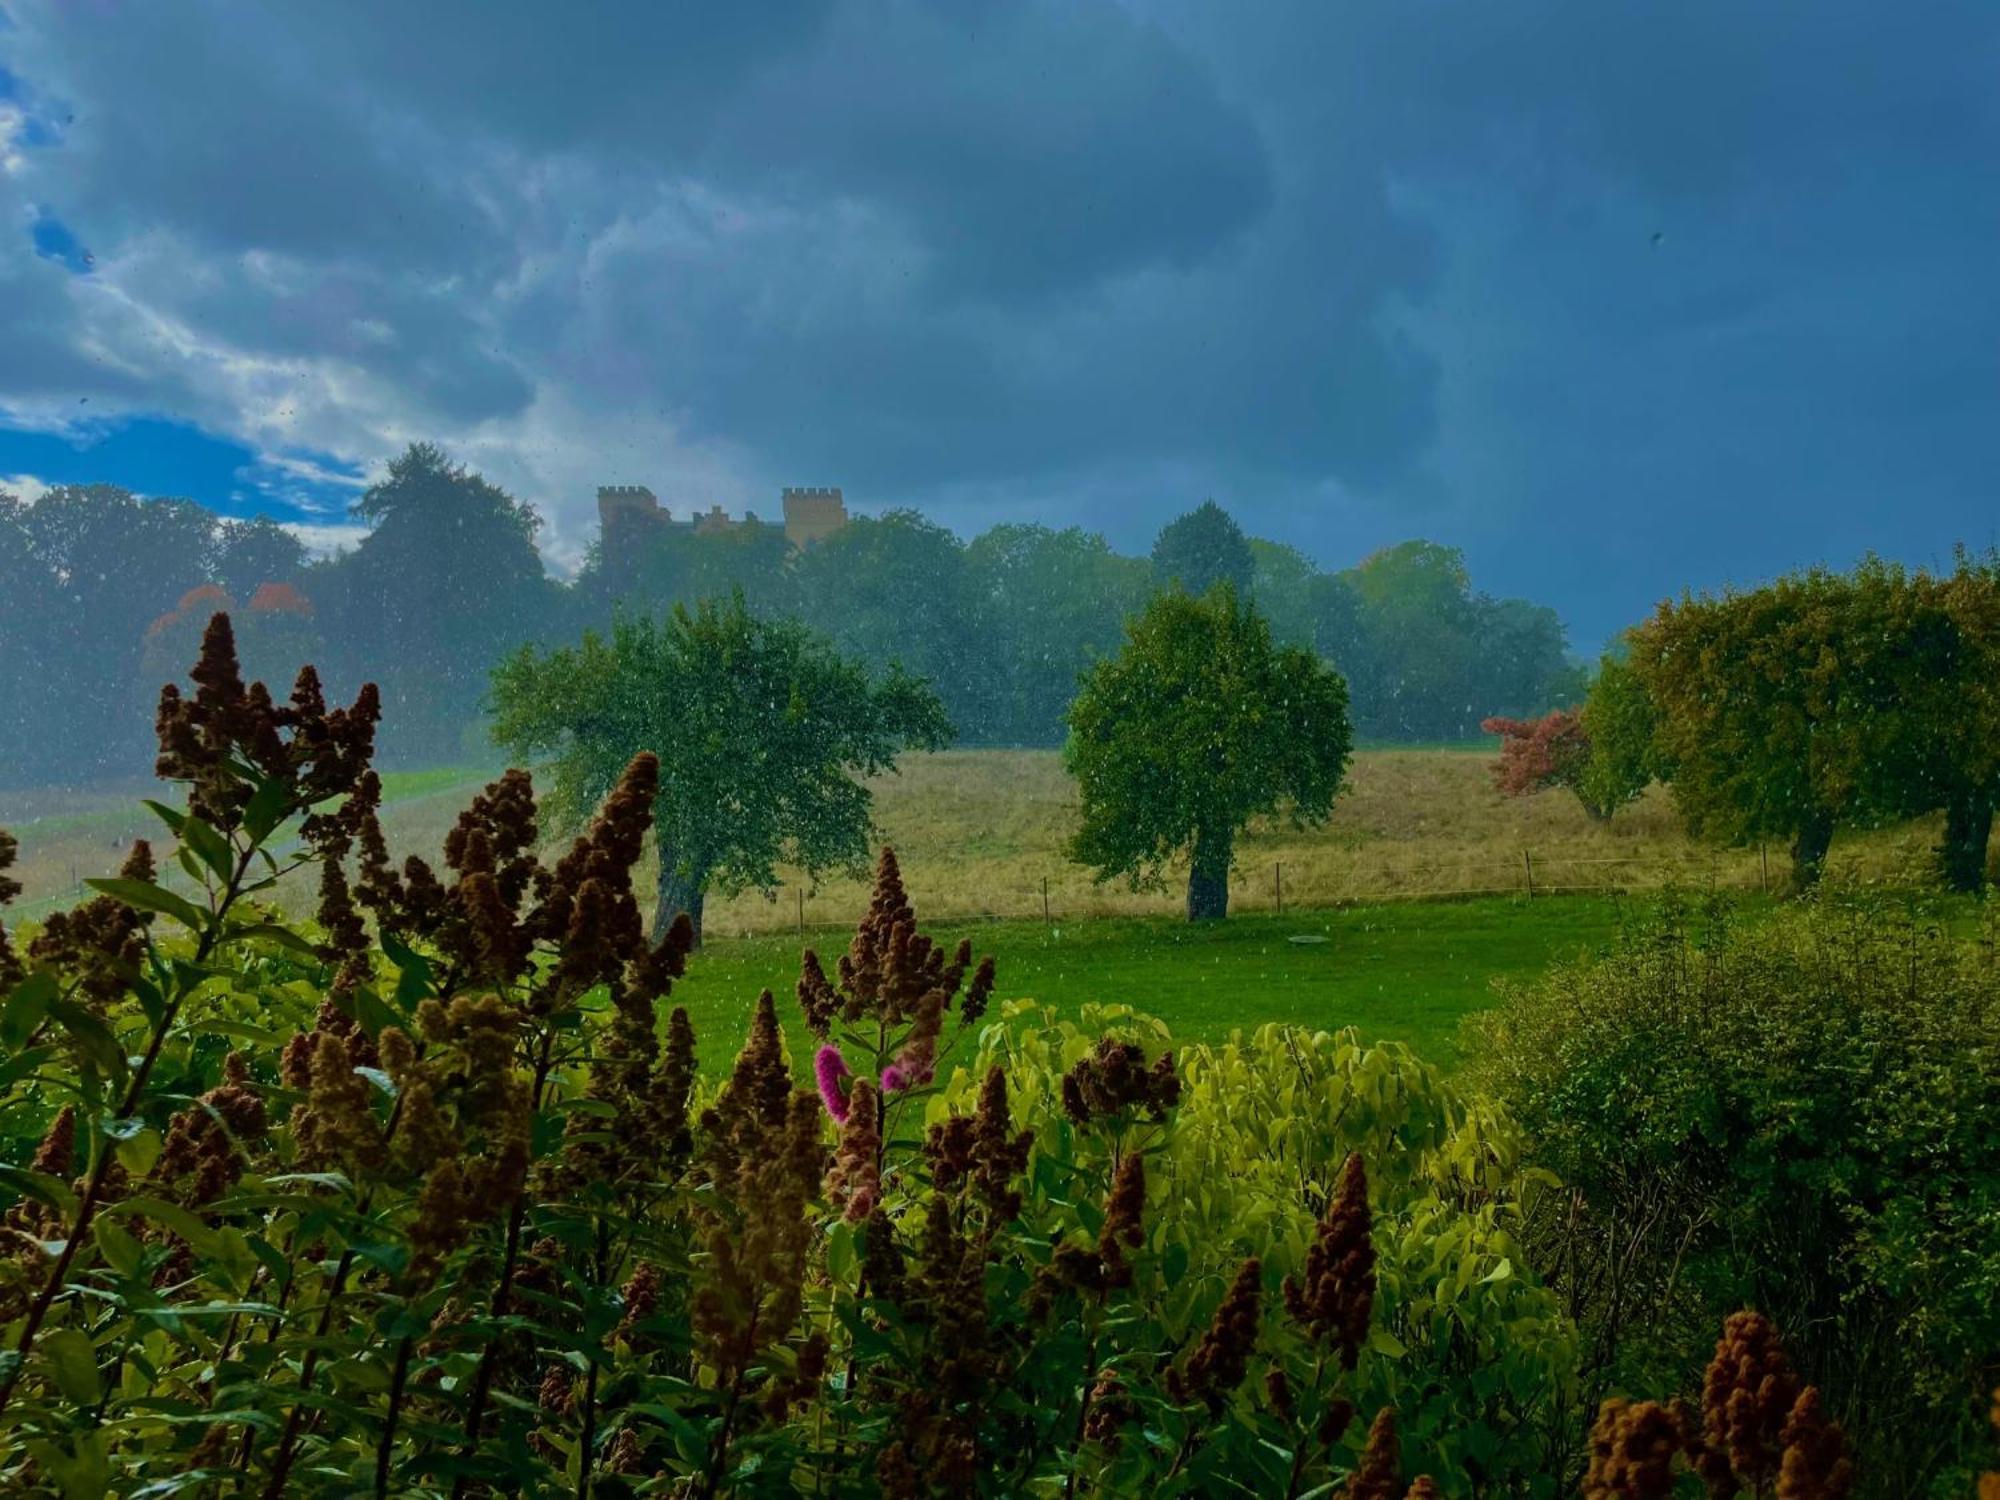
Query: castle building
630	514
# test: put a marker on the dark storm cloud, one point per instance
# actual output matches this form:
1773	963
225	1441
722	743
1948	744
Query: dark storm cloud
1619	297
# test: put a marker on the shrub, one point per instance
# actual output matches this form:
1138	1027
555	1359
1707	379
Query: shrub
1536	754
1801	1116
433	1202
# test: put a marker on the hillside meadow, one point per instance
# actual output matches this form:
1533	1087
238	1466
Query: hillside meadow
980	831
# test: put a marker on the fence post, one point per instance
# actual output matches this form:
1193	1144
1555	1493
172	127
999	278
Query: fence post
1528	864
1278	877
1764	864
1047	920
802	911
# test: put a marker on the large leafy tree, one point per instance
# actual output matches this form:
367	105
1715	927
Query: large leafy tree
892	590
99	565
762	729
252	553
1937	640
1048	604
1776	708
1621	726
1200	724
447	582
1203	548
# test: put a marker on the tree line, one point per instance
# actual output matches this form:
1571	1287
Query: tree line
103	589
1821	701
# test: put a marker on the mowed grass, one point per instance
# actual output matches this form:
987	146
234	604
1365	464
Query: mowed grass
1406	971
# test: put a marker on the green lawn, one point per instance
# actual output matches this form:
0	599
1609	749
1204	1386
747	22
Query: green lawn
1407	971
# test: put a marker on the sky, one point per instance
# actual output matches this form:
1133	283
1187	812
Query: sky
1621	299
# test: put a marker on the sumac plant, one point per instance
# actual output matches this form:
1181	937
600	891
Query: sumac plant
426	1197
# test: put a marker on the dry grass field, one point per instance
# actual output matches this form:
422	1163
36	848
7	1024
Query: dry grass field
979	831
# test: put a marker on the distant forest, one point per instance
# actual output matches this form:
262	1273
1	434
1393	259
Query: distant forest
103	596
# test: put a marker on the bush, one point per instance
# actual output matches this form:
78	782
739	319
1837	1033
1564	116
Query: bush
1801	1116
431	1203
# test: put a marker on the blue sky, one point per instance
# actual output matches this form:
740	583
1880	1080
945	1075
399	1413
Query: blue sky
1620	299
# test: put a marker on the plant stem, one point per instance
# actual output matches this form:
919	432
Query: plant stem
387	1447
482	1380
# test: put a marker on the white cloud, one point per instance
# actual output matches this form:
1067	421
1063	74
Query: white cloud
23	487
324	541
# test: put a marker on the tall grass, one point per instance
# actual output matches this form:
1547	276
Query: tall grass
983	829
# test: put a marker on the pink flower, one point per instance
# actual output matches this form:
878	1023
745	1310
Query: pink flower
894	1079
829	1071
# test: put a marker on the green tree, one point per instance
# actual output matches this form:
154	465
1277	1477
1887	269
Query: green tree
447	582
1940	700
249	554
1285	589
1775	709
678	565
1420	622
762	729
1201	549
1200	724
117	564
1048	604
892	590
1620	724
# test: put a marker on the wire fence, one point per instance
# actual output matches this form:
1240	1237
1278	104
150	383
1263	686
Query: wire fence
1273	886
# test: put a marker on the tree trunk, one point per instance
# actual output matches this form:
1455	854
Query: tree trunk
1208	879
1814	838
1968	820
677	895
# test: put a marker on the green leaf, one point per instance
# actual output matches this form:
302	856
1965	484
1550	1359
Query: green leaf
189	1227
71	1360
267	809
173	817
27	1003
209	845
1499	1273
143	895
138	1153
1386	1343
99	1046
42	1187
121	1252
274	934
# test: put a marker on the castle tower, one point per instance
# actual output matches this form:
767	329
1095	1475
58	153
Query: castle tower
813	514
628	512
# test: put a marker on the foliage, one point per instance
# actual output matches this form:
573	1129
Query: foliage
1759	1426
429	1203
1621	727
1198	725
1427	658
1536	754
1801	1116
446	583
1826	699
447	580
1196	551
1559	749
892	590
1048	604
762	730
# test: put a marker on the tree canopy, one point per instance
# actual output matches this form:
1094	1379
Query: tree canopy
762	729
447	579
1198	725
1201	549
1825	699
